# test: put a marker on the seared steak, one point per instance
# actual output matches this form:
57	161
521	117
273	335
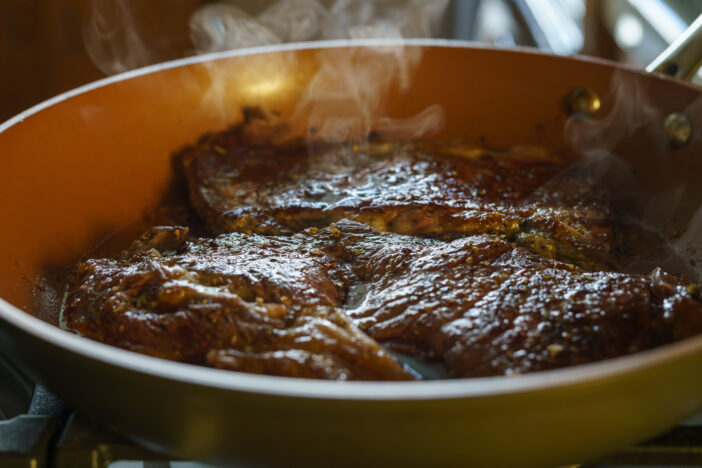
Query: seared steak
239	302
486	307
296	304
490	263
240	182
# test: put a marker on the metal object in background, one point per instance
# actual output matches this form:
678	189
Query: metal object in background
677	129
550	25
682	59
582	101
27	440
554	25
642	29
15	390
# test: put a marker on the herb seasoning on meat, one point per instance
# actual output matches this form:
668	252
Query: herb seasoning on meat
489	263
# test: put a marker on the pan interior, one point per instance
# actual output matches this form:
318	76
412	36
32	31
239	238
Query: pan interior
87	173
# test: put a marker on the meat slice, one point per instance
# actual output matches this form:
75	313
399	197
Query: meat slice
237	302
486	307
299	305
240	182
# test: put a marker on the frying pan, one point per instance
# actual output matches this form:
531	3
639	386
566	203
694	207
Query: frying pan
94	160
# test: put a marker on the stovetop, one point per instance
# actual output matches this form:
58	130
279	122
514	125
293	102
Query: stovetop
38	430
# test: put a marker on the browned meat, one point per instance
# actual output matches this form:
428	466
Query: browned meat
486	307
238	302
280	304
328	250
241	183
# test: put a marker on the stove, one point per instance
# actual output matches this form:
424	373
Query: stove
38	430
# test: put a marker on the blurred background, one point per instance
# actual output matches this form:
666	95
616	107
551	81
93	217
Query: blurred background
50	46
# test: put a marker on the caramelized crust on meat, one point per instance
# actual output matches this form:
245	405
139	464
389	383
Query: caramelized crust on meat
241	183
485	307
237	302
295	305
490	263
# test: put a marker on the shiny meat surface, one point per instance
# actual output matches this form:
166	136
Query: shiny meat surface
330	257
296	304
486	307
248	303
240	182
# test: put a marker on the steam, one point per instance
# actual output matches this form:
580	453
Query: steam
294	20
223	26
344	100
120	35
395	18
112	39
646	192
220	26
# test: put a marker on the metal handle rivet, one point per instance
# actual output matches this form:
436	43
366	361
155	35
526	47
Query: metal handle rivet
582	101
677	129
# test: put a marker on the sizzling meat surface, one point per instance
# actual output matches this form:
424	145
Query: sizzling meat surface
249	303
486	307
489	263
296	304
241	183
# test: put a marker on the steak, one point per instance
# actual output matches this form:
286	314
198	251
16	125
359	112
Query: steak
240	182
485	307
330	259
249	303
318	302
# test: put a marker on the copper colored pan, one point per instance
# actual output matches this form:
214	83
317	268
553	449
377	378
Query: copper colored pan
95	159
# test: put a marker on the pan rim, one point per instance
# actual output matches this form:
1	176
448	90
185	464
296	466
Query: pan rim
321	389
326	44
449	389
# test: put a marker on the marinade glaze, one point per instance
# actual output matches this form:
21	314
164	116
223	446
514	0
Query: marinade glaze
489	263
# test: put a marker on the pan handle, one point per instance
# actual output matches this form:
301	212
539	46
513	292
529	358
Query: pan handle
684	56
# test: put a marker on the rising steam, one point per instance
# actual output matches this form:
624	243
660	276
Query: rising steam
343	101
112	39
645	178
120	35
223	26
